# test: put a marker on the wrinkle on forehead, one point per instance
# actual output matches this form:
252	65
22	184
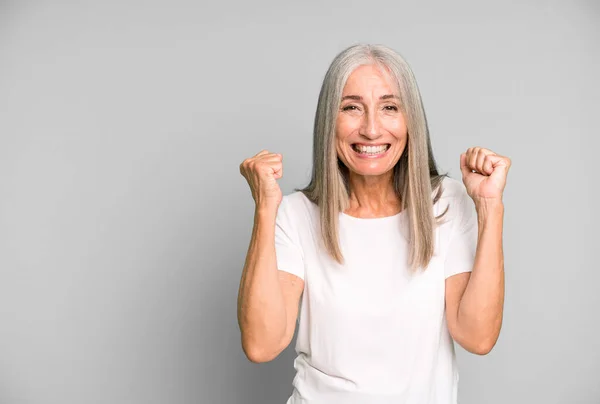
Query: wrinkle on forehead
381	72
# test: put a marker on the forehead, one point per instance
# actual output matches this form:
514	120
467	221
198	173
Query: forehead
370	78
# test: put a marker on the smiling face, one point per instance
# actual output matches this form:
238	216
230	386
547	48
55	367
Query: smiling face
371	132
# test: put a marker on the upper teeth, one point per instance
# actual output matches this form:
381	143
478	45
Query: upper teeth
371	149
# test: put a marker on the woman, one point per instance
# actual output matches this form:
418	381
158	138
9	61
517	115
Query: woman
382	260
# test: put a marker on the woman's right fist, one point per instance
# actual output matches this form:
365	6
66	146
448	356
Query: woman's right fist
261	172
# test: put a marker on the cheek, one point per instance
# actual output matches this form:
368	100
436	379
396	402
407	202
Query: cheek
344	127
398	128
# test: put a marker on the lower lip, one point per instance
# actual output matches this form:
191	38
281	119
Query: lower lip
370	156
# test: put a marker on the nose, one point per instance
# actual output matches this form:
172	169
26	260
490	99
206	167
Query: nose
370	127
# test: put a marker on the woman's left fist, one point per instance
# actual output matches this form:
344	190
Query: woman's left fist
484	173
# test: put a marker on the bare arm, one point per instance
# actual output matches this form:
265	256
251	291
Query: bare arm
267	298
475	301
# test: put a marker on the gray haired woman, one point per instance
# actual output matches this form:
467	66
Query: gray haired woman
381	260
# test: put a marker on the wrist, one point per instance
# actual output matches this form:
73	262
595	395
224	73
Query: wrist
266	211
488	203
489	208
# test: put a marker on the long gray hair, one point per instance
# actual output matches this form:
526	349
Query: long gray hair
415	176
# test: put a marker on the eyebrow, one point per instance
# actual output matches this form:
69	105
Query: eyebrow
359	98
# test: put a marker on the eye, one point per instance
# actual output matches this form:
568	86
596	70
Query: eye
350	108
391	108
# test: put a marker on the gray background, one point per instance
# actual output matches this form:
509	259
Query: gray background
124	221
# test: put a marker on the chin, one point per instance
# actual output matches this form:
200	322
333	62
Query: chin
366	169
369	173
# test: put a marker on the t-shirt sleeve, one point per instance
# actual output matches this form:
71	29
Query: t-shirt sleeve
287	244
460	256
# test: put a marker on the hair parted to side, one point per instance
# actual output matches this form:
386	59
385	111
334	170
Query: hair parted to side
415	176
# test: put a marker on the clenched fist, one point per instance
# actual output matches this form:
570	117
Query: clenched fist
261	172
484	173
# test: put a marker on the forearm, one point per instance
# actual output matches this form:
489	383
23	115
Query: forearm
480	309
261	306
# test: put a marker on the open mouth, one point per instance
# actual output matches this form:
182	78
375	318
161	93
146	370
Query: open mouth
370	150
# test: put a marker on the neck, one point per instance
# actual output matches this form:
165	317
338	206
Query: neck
372	196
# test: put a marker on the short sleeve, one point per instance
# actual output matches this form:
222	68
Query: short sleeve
460	255
287	244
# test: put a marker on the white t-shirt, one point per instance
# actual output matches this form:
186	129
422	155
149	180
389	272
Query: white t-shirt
369	333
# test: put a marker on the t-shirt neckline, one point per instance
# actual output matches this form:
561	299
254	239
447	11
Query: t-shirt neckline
373	219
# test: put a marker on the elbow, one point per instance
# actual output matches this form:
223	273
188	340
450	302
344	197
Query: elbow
482	351
478	346
484	347
476	341
256	354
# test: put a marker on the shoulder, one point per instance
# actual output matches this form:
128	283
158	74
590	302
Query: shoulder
297	208
453	188
294	198
297	202
455	197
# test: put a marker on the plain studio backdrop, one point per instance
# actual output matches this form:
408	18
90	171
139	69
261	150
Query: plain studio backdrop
124	220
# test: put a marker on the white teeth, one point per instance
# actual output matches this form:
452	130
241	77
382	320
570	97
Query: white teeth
371	149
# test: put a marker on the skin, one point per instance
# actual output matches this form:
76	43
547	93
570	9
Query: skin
369	114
